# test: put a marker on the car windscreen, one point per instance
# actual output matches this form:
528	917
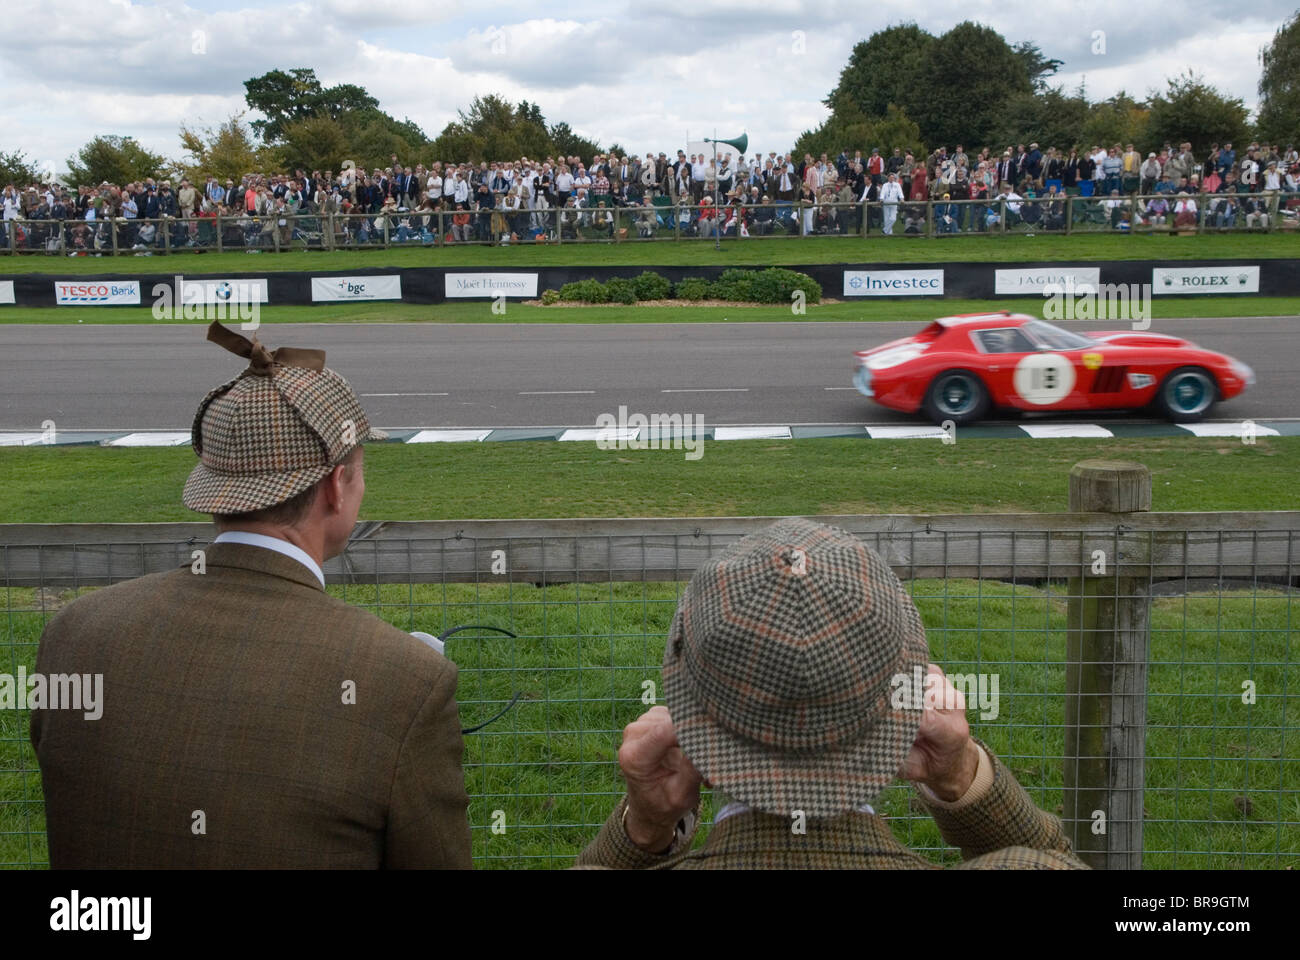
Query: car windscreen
1055	338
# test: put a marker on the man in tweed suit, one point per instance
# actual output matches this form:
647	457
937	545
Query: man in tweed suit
249	719
780	675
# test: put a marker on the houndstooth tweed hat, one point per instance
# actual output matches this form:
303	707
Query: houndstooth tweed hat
778	670
273	431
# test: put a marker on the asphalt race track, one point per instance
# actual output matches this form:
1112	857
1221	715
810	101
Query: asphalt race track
151	377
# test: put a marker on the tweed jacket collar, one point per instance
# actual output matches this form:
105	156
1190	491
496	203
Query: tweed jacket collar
851	840
241	556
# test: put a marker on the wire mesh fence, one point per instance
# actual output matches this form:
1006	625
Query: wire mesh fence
603	220
1138	678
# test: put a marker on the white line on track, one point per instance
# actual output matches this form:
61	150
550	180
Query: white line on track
708	390
839	388
404	394
550	393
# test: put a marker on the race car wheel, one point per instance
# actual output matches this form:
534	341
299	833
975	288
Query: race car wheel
956	395
1186	394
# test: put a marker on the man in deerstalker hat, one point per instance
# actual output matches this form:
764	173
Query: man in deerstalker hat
782	674
249	719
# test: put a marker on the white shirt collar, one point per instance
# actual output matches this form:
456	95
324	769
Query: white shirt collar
273	543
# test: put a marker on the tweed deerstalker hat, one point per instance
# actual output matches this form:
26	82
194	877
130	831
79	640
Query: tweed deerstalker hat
779	670
273	431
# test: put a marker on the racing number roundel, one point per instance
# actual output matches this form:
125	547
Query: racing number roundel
1043	378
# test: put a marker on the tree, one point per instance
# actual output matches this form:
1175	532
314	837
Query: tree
1037	66
116	160
883	69
1279	86
970	74
492	129
316	143
1120	119
569	144
1193	111
1052	117
227	151
15	168
283	98
848	128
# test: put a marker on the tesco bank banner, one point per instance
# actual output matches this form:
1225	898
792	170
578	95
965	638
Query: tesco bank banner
6	291
491	285
97	293
331	289
1045	280
893	283
1166	280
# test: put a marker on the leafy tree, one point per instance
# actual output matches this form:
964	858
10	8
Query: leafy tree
848	128
1120	119
570	144
316	143
1279	86
883	69
15	168
286	97
115	159
1052	117
227	151
1037	66
969	75
1193	111
492	129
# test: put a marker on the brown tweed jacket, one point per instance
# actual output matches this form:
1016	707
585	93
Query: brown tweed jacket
224	693
1002	830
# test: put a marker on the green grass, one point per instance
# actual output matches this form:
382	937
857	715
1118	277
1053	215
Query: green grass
801	250
798	477
921	309
1223	781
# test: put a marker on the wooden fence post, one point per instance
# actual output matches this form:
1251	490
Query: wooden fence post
1107	646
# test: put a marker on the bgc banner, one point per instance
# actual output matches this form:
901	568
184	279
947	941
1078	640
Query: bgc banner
333	289
97	293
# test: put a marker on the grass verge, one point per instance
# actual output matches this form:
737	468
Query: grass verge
919	309
736	478
799	250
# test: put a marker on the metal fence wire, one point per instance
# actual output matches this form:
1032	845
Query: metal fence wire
1138	679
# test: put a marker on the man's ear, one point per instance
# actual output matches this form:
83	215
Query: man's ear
332	484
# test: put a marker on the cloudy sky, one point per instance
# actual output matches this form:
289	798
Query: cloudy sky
645	74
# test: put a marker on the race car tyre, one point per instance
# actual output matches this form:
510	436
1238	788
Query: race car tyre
956	395
1185	395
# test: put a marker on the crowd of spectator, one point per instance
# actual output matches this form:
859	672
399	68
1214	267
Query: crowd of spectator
512	201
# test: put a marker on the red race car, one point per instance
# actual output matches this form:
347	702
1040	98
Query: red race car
959	368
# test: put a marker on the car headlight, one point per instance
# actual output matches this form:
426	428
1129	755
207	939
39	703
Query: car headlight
1243	371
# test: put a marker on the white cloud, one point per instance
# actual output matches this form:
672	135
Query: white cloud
640	74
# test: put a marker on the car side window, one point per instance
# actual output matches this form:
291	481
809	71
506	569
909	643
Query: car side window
1003	340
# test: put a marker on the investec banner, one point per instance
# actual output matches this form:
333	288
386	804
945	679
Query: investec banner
491	284
96	293
1045	279
387	287
1204	280
6	291
893	283
223	291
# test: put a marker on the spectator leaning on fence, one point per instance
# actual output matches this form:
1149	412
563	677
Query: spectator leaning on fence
781	678
250	719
